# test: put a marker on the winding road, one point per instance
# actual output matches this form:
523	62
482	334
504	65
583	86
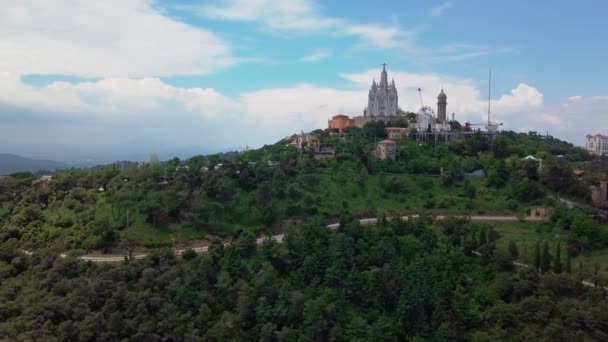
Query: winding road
333	226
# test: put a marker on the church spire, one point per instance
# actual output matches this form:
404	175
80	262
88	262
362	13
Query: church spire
384	76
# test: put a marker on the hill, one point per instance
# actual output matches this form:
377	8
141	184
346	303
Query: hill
11	163
418	279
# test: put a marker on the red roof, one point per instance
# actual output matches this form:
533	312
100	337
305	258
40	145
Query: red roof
578	172
387	142
339	116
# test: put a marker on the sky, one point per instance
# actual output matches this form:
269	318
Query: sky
112	79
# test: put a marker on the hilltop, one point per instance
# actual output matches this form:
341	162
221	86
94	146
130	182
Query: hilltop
11	163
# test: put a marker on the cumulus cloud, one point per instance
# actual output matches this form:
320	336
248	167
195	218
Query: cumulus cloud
114	98
122	109
110	38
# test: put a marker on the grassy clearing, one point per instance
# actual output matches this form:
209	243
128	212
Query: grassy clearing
527	234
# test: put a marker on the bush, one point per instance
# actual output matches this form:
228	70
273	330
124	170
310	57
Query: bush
189	254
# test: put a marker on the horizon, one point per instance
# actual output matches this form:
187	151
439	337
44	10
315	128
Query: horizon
186	75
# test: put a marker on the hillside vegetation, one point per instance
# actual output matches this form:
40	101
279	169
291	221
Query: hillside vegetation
398	280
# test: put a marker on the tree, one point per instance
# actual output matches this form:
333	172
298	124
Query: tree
557	263
568	261
482	237
545	260
537	256
513	250
129	242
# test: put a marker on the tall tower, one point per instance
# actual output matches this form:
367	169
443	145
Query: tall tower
442	104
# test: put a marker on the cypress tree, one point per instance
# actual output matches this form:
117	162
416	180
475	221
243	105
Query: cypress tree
545	259
568	261
482	237
557	263
537	256
513	250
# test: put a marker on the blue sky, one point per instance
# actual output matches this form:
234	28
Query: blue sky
103	80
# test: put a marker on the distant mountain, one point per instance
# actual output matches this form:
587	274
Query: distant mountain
10	163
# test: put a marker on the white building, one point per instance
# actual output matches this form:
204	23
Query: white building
382	99
425	119
597	144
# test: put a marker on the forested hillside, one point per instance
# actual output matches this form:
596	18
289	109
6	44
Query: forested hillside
261	190
422	278
395	281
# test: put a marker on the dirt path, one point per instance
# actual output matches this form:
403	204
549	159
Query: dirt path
333	226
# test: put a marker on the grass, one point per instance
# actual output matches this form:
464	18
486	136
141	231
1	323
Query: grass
334	193
527	234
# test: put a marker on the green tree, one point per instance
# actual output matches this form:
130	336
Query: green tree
537	256
568	261
513	251
545	260
557	263
482	237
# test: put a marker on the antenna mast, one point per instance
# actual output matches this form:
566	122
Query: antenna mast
420	93
489	91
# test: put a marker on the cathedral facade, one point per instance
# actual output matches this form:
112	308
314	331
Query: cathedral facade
382	99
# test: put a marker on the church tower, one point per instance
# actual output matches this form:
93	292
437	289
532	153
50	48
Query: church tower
442	104
382	99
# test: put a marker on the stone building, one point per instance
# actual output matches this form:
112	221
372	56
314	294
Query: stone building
442	103
599	193
340	122
597	144
539	212
306	142
397	133
386	149
382	98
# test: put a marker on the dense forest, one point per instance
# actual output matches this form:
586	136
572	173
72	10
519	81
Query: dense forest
395	281
416	279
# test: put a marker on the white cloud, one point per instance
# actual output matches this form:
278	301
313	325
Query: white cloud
114	99
575	98
110	38
317	55
440	9
150	109
521	96
187	115
302	16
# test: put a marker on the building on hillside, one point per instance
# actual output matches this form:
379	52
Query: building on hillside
425	120
539	212
386	149
578	173
340	122
397	133
597	144
306	142
325	153
599	193
43	179
382	98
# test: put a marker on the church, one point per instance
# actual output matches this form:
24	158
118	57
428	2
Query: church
383	104
382	99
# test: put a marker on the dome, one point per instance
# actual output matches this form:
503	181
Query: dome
442	95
